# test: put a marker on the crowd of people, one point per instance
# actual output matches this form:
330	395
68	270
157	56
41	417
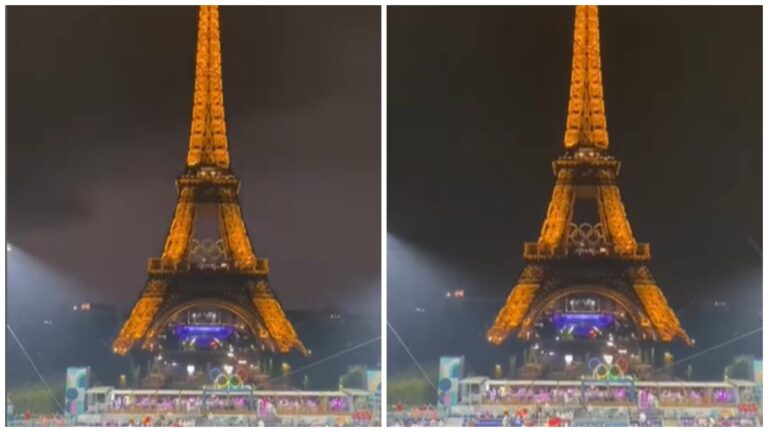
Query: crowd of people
189	408
170	420
28	419
654	398
592	405
559	417
574	396
535	396
424	415
308	405
263	406
523	417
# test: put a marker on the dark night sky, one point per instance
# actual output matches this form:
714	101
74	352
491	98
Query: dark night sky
99	106
476	112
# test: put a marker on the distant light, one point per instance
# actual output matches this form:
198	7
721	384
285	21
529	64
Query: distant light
448	294
420	310
242	361
74	307
608	358
8	247
622	351
190	369
85	306
230	354
568	359
551	353
47	322
458	293
228	369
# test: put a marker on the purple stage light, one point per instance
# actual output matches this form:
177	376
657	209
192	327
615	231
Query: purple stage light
582	323
337	404
203	335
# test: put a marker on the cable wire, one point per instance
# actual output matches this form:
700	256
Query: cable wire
34	366
720	345
330	357
426	376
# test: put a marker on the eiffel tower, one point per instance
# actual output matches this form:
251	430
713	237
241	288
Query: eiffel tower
195	273
586	246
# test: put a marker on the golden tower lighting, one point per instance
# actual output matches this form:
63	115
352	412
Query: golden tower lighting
569	252
240	278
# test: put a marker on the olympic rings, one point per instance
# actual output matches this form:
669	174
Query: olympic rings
596	363
619	372
213	375
604	371
223	381
623	363
231	382
602	375
242	373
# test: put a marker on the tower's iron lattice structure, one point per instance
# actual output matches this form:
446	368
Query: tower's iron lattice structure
574	256
223	273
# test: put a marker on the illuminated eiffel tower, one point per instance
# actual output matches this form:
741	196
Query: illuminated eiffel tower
586	249
195	273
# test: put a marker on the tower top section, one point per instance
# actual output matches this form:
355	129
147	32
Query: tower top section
208	134
586	126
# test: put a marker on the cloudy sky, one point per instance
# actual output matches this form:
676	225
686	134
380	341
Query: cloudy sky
99	105
476	113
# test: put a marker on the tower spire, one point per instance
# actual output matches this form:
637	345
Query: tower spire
229	278
587	253
208	135
586	125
